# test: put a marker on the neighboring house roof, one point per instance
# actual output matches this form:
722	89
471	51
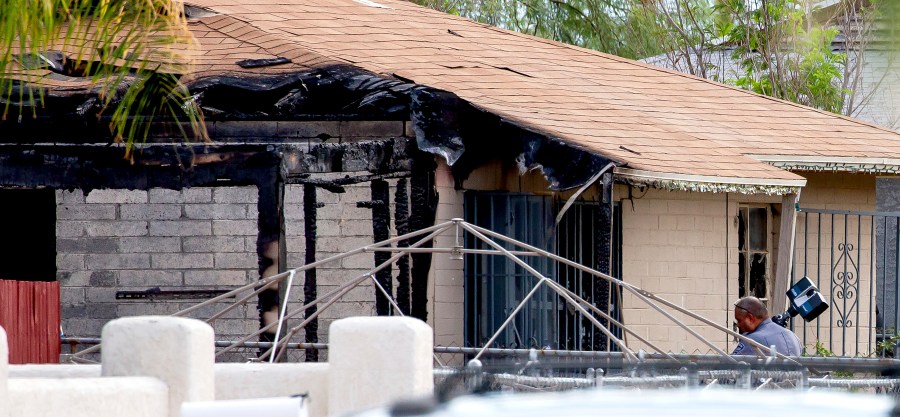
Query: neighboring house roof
661	126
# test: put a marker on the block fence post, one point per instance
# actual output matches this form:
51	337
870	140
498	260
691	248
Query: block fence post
176	350
375	361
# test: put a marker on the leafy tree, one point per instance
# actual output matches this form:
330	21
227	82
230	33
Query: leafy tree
783	54
780	48
131	53
597	24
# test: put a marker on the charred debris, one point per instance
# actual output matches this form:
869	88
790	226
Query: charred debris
271	130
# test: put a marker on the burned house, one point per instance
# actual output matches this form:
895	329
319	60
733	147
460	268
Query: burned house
335	124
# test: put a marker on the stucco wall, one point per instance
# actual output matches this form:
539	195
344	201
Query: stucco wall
83	397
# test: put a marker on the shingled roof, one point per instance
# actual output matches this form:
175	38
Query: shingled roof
659	126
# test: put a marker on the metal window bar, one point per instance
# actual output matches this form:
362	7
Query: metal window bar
493	286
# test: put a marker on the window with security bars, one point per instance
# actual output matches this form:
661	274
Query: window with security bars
754	245
495	285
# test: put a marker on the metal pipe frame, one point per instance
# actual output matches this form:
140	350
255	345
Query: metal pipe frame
398	310
435	231
629	287
624	328
265	282
334	294
287	297
626	285
553	285
450	250
511	316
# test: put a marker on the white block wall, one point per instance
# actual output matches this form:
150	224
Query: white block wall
262	380
154	364
83	397
375	361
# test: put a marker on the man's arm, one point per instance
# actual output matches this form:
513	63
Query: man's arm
743	349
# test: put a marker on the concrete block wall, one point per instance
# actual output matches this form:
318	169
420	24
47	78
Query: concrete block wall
674	245
120	240
341	227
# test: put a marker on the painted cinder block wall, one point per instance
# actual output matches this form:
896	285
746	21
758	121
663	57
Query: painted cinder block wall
205	238
675	246
199	238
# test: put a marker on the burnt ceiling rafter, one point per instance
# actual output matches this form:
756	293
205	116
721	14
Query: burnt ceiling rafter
445	125
181	166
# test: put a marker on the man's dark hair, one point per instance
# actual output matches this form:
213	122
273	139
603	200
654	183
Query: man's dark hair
753	306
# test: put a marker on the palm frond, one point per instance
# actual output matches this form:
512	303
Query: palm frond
130	54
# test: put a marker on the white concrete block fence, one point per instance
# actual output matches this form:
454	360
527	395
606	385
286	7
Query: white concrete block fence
151	365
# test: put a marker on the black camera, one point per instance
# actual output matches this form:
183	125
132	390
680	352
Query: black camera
803	299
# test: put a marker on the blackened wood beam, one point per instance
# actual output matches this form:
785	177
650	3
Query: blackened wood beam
97	167
378	157
381	229
424	202
401	222
601	288
310	290
337	185
268	241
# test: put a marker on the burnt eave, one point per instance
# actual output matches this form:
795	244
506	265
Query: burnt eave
465	136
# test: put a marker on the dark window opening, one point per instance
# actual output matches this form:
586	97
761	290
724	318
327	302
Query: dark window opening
495	285
754	245
28	234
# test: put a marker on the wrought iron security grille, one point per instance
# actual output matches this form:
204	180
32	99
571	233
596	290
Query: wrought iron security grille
852	256
494	285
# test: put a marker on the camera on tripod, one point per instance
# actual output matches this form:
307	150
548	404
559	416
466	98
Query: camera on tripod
803	299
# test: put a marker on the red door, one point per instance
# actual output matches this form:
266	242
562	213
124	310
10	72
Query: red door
29	312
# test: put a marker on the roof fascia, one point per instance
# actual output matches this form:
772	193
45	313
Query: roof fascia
708	184
855	165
